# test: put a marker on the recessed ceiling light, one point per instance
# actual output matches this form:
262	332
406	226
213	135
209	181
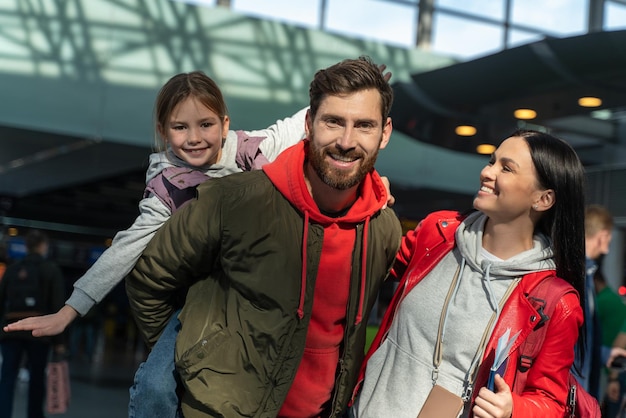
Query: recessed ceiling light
485	149
589	101
465	130
525	114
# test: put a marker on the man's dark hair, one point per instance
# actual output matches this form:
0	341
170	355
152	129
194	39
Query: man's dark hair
350	76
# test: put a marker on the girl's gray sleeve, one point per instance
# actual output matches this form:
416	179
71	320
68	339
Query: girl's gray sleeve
119	259
281	135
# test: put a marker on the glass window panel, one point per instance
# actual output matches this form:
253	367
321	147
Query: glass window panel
465	39
303	12
518	37
615	16
493	9
373	19
565	17
199	2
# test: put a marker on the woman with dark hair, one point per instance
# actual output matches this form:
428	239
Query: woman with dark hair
465	285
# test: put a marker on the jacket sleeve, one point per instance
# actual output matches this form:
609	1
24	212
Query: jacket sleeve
546	391
281	135
424	238
403	257
118	260
181	252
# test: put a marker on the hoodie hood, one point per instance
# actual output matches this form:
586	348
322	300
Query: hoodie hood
495	274
159	161
287	174
469	237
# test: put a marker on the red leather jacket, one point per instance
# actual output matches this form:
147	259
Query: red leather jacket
546	389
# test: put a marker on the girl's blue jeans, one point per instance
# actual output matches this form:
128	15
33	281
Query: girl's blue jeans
153	394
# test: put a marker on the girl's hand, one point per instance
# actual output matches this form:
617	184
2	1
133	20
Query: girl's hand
386	75
45	325
494	405
390	199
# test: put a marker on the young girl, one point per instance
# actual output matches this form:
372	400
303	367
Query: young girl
192	122
465	281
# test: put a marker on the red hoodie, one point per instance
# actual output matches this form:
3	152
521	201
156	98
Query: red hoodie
315	377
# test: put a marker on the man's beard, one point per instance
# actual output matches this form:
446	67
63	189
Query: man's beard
332	176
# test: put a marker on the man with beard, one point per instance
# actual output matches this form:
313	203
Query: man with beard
282	265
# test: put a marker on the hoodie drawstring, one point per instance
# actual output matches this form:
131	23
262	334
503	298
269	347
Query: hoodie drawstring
305	238
359	314
492	298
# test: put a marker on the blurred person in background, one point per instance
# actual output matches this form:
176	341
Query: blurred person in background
598	234
31	286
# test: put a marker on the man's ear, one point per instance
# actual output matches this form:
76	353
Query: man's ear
387	129
308	122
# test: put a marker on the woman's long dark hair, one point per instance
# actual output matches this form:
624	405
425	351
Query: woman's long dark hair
559	168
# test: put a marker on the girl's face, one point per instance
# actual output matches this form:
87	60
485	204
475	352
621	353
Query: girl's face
195	133
508	184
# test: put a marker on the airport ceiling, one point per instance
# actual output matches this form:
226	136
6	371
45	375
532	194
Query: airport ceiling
548	76
69	185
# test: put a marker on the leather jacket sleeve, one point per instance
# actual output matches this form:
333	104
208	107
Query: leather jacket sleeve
546	390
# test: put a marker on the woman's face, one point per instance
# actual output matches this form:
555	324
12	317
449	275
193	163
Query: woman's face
508	184
195	133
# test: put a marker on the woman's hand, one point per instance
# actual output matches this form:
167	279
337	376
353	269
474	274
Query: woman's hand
494	405
45	325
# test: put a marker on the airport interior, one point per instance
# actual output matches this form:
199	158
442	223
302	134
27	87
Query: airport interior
78	80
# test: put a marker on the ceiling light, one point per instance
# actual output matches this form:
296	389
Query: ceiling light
485	149
589	101
525	114
465	130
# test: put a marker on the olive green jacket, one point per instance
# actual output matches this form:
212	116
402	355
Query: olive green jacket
242	333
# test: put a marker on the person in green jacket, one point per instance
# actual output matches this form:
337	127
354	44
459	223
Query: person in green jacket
282	266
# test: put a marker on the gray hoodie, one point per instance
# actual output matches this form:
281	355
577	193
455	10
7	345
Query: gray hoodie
118	260
399	374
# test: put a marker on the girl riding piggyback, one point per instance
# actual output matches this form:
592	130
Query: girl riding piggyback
195	144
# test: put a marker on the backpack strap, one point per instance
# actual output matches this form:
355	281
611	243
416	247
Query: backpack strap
249	157
175	186
544	297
